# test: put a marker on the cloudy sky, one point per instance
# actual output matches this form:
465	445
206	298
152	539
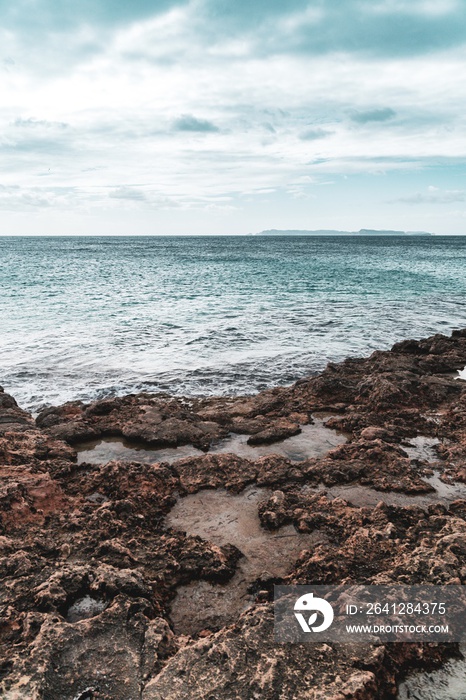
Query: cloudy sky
232	116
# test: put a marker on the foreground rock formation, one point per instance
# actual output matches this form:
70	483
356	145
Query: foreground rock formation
89	569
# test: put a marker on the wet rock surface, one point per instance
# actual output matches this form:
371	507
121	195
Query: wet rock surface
222	518
311	440
94	556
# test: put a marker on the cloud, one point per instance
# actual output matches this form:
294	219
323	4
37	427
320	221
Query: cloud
50	15
126	192
16	198
38	123
105	94
314	134
187	122
385	28
373	115
244	14
435	195
414	7
40	146
58	34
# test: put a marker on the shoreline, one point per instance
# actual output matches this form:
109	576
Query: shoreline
265	314
73	531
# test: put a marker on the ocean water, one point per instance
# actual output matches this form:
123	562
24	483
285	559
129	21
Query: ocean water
87	317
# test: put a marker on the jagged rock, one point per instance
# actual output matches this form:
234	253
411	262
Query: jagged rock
89	570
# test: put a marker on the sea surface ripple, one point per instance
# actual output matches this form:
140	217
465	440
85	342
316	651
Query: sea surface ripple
83	318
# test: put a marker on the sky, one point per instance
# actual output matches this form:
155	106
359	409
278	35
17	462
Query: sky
232	116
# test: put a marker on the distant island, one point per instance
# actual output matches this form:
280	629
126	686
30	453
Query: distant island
331	232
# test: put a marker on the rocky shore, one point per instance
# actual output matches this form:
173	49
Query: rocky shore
91	568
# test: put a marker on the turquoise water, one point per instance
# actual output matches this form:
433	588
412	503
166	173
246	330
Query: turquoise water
87	317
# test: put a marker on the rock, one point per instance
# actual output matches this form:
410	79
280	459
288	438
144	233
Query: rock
215	471
13	418
279	430
244	662
89	570
126	648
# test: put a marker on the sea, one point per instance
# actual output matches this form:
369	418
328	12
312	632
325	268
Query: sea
89	317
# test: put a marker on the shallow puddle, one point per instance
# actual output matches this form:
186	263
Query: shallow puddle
360	496
447	683
313	441
108	449
224	518
419	448
445	493
422	448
